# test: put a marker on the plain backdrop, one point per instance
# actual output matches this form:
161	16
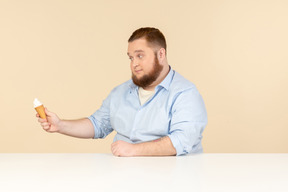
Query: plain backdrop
70	54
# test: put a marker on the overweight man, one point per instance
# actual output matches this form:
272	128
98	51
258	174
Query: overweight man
156	113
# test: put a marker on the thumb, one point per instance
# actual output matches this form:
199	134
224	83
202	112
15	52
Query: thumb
48	112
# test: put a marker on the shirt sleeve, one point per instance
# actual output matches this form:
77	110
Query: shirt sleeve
189	118
101	120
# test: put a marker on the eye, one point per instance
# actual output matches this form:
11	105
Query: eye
131	58
140	56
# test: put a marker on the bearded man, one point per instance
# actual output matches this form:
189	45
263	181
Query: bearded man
156	113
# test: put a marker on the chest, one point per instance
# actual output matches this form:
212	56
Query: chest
145	122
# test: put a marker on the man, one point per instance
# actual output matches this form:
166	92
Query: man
156	113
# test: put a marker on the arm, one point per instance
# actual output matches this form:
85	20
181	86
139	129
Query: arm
81	128
188	121
159	147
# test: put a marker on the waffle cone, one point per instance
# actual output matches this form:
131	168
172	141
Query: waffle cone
41	111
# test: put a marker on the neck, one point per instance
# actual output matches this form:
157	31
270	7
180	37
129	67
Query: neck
161	77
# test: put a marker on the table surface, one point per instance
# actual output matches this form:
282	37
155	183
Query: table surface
104	172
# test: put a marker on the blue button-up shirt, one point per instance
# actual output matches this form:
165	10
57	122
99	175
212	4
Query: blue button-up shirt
176	110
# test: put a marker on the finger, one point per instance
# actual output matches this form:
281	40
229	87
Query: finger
45	124
40	120
115	143
37	115
46	128
113	150
115	153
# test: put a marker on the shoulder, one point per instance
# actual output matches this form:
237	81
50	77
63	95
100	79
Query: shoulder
185	95
181	84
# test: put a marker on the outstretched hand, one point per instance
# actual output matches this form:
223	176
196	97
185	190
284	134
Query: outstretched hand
51	124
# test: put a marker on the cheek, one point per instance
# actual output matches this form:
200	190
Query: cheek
131	65
148	66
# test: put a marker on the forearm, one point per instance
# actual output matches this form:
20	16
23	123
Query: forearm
81	128
159	147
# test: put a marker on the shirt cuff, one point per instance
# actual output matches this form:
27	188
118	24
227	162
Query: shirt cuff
177	145
92	119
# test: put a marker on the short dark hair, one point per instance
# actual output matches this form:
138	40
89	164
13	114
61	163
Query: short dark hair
152	35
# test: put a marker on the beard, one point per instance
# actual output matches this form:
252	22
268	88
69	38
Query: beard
149	78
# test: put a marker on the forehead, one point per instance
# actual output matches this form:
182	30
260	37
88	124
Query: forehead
138	44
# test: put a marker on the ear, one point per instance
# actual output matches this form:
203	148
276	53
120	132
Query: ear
161	55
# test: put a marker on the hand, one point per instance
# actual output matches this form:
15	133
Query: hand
123	149
51	124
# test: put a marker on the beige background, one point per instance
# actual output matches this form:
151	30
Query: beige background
70	54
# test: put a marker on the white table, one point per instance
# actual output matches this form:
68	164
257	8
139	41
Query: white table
104	172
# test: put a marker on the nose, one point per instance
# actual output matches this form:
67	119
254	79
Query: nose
134	63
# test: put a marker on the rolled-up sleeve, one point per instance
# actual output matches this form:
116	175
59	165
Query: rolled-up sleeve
188	120
101	120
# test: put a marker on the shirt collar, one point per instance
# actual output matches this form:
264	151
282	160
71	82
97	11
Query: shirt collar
165	83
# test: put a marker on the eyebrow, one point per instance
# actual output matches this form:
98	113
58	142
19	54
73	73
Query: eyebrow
136	51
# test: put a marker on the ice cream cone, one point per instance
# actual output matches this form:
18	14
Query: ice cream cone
41	111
